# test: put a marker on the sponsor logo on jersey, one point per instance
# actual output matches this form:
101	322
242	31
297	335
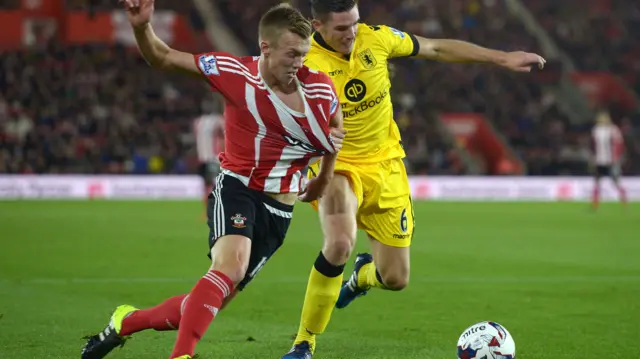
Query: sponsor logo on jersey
307	147
355	91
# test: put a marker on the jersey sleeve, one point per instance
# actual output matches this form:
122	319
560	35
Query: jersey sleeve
334	103
398	43
216	73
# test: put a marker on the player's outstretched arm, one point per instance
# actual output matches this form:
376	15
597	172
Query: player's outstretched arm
448	50
155	51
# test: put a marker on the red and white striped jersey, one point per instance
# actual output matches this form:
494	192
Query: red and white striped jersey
209	134
608	144
267	144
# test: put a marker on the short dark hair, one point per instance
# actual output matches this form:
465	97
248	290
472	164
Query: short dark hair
320	9
283	17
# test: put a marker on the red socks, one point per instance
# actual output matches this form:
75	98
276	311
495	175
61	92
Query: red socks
203	305
623	195
596	196
190	313
165	316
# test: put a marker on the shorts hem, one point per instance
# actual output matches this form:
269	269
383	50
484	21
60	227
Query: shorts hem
397	243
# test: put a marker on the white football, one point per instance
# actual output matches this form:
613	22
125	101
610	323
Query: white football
486	340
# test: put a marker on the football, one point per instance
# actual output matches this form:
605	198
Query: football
486	340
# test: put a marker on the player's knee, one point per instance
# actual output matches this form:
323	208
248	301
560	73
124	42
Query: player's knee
339	237
337	249
231	258
232	267
395	280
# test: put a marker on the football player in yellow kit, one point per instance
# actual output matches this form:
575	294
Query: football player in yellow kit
370	188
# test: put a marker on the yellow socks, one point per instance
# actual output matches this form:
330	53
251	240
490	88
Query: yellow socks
368	277
322	293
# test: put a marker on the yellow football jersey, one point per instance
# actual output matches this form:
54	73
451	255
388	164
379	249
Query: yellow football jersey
363	84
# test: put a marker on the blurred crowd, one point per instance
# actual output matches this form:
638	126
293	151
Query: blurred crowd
600	35
116	115
94	109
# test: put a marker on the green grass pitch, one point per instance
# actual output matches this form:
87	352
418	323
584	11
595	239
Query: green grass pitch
563	280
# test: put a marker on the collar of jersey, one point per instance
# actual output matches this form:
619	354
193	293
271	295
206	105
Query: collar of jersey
279	103
318	38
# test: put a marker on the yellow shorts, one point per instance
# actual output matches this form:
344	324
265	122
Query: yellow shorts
385	210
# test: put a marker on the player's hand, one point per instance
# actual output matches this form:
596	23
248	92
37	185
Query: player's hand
521	61
315	189
138	11
337	137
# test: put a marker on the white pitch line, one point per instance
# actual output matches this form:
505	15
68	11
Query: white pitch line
301	279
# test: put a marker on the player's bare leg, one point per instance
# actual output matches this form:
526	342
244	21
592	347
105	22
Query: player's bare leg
338	220
337	211
386	268
390	264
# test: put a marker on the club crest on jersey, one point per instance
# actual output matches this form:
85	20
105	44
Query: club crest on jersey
208	65
367	59
238	220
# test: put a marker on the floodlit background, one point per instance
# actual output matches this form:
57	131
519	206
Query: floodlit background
101	199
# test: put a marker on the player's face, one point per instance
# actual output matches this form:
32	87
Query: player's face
339	31
286	58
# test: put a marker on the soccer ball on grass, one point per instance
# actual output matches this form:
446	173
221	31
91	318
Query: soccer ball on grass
486	340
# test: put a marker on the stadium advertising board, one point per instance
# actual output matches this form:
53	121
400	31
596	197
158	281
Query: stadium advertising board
516	188
97	187
422	188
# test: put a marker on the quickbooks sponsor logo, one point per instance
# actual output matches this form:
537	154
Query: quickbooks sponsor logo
349	111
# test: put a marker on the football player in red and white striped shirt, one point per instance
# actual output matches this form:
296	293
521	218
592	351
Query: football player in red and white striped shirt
208	131
608	148
279	117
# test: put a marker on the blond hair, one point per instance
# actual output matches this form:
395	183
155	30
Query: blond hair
280	18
